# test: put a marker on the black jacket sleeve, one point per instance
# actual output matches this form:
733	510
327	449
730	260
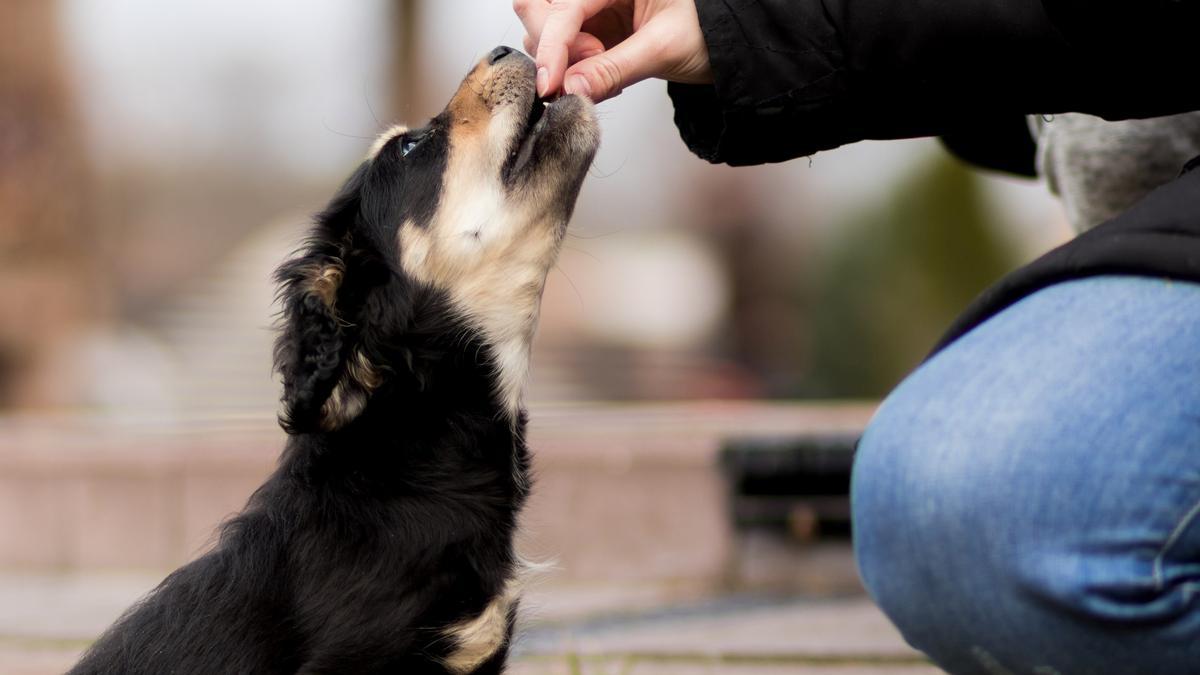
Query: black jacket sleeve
793	77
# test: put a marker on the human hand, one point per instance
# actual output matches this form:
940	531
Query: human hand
595	48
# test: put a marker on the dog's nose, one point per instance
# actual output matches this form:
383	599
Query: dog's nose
499	53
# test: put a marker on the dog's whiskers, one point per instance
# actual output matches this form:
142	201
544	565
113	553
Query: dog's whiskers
602	235
325	123
585	252
594	170
379	126
578	295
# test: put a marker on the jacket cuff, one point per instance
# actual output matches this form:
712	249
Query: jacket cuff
997	142
751	113
699	118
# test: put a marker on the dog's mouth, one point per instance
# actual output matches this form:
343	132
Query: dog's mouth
535	123
537	110
560	131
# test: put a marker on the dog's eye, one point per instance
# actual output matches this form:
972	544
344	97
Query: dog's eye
407	143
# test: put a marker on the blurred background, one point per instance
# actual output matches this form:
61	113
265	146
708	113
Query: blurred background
158	160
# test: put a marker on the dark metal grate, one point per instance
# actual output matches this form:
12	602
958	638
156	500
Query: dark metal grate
799	486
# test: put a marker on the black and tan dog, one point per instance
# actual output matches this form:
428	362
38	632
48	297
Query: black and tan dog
384	541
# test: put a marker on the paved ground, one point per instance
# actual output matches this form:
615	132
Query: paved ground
620	666
570	630
645	476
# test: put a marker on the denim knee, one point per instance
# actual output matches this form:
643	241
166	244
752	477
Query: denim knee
943	493
907	516
955	554
1035	502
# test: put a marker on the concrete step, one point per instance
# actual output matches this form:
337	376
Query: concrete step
629	501
627	493
569	664
48	659
565	628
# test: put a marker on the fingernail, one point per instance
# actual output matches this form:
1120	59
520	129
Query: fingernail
543	81
578	84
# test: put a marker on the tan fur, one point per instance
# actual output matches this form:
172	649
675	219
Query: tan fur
489	250
343	405
478	639
350	395
363	371
394	131
490	246
324	282
495	276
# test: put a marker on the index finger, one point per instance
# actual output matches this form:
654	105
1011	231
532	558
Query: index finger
532	14
564	19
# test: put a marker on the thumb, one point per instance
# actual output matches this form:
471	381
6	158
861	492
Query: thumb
604	75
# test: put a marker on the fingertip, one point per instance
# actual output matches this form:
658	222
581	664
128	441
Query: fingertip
578	85
549	68
563	21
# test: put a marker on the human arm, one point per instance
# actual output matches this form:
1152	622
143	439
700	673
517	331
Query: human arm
793	77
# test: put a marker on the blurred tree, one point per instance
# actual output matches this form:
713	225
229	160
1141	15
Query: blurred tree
760	334
407	85
48	286
896	276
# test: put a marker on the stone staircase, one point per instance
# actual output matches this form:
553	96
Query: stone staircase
218	330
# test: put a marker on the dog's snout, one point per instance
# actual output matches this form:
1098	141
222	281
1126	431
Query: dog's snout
499	53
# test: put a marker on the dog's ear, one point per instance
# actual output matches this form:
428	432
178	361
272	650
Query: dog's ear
325	379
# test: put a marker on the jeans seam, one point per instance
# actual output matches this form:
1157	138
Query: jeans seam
1188	518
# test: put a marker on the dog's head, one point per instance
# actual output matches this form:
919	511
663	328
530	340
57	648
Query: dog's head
449	228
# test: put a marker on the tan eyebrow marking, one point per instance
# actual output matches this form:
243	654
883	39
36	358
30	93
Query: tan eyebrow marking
382	140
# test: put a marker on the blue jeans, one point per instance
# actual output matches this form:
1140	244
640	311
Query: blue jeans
1028	501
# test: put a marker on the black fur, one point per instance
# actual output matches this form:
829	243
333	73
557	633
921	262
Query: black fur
373	535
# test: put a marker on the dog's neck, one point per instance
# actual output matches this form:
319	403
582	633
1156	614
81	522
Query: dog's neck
510	359
435	415
499	295
451	372
445	357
